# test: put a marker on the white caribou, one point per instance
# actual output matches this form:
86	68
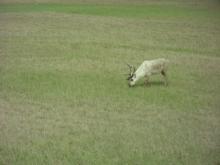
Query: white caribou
146	69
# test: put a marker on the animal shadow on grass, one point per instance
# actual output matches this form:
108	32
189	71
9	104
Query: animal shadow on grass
151	84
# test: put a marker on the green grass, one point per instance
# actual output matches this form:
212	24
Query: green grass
141	11
64	98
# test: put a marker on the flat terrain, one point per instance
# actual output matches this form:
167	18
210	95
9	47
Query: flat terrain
64	98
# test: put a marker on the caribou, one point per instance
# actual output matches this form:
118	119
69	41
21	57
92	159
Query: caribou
146	69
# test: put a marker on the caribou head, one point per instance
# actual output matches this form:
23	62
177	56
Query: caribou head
131	74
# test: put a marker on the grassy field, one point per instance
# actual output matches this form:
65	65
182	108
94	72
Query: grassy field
64	98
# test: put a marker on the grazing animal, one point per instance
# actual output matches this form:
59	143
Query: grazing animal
146	69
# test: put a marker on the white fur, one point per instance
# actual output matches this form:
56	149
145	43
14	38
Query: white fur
148	68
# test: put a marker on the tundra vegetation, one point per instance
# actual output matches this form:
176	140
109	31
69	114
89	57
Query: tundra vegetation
64	98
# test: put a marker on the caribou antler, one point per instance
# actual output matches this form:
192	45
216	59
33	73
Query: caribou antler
130	67
132	71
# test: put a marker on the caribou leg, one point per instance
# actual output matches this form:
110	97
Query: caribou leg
146	82
165	77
